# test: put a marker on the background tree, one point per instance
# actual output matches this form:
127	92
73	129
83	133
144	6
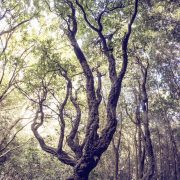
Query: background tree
13	18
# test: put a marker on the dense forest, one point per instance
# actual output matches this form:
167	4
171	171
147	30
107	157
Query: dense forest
89	89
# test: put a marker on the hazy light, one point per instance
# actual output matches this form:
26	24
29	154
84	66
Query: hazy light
79	41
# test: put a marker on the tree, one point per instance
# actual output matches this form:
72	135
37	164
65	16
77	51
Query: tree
12	17
86	154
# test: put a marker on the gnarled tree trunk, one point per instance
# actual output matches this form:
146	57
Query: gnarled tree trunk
87	154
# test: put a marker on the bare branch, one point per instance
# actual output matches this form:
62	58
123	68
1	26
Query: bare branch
12	149
130	117
85	17
110	128
82	59
15	27
73	133
14	136
106	49
61	116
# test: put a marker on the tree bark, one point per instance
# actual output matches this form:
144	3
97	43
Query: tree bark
88	153
175	156
148	175
129	163
160	155
77	176
116	150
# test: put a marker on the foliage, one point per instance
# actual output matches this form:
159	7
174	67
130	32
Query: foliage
43	81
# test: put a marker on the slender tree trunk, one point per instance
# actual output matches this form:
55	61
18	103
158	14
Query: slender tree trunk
136	151
116	165
116	150
167	169
140	146
145	120
129	163
160	155
149	150
175	157
141	153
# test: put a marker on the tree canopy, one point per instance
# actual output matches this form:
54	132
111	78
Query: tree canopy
89	89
